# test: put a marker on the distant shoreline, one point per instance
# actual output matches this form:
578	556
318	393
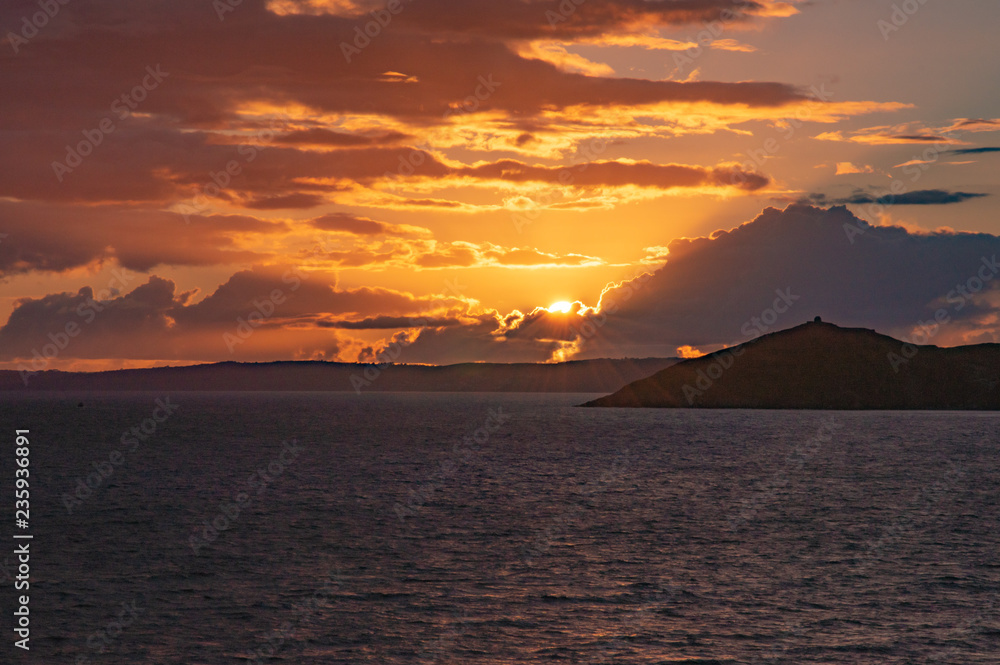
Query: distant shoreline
583	376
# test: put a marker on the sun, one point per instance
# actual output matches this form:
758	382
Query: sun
562	307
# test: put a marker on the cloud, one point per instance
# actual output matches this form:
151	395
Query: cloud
184	170
779	270
689	352
974	125
317	296
974	151
508	19
318	136
247	120
467	255
263	115
870	138
914	133
620	174
367	244
288	201
269	313
714	290
218	72
364	226
478	341
846	168
221	85
919	197
43	237
391	323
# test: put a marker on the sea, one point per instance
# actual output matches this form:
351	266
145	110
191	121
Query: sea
203	528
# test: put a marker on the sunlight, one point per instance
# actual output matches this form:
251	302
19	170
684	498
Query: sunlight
562	307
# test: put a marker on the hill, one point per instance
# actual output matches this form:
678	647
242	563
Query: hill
822	366
596	376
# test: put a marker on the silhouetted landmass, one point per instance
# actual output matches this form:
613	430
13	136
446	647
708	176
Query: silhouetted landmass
822	366
595	376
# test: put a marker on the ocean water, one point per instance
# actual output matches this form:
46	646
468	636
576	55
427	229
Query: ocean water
500	528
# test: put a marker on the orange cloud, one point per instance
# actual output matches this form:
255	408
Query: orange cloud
847	168
687	351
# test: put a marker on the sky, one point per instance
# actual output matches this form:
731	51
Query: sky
435	181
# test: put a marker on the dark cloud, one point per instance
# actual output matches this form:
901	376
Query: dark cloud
928	197
476	342
918	138
288	201
974	151
364	226
162	167
834	264
327	137
277	308
433	203
975	124
58	238
218	67
607	173
349	223
314	297
134	325
391	323
491	19
918	197
214	103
